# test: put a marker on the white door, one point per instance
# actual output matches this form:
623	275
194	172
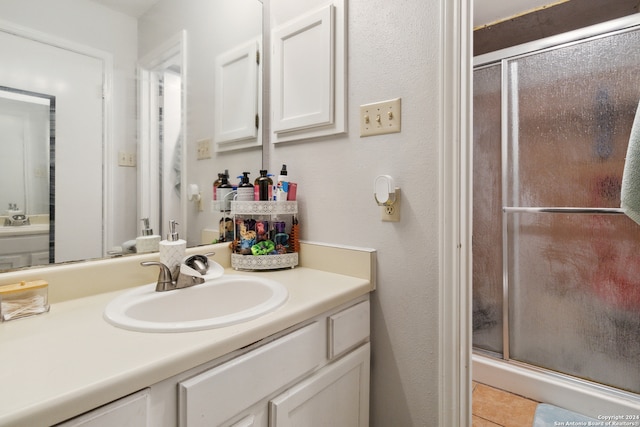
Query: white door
76	81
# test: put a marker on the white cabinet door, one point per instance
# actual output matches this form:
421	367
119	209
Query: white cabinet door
337	395
237	97
308	78
8	262
303	87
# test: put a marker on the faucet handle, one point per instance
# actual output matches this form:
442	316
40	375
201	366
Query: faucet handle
165	283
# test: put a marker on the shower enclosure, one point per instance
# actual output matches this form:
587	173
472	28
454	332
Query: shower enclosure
556	265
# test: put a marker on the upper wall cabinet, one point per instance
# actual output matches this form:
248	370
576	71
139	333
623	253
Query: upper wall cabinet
237	100
309	75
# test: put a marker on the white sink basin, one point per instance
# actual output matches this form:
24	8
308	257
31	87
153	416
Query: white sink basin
216	303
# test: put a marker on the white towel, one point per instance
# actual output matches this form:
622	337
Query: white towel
630	193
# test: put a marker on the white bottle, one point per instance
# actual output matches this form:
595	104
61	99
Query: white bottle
147	241
282	185
172	250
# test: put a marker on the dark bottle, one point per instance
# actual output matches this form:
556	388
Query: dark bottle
216	184
264	186
222	194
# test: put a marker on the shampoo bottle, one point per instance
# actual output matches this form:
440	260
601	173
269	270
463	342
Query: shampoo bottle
172	250
245	189
222	194
217	183
147	241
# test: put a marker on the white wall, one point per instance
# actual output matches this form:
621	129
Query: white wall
394	51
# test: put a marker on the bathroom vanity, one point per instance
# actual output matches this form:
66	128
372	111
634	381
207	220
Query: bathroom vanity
309	359
22	246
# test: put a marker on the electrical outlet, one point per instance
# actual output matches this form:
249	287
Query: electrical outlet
392	213
380	118
204	149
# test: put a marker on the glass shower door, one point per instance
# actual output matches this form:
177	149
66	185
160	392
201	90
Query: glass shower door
571	280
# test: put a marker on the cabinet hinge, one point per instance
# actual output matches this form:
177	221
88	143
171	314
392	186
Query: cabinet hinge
257	121
258	57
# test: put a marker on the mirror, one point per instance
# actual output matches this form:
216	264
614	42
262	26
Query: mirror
98	158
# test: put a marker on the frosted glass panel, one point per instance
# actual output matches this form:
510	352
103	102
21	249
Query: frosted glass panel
487	211
574	280
575	295
570	114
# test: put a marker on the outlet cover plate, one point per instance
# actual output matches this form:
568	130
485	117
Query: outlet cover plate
391	213
380	118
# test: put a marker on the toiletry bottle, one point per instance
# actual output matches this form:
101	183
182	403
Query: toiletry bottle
223	194
172	250
245	189
147	241
216	184
283	185
264	186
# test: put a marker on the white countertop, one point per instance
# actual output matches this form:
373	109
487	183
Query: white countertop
23	230
68	361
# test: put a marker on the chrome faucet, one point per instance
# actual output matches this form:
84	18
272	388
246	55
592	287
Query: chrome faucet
166	282
200	263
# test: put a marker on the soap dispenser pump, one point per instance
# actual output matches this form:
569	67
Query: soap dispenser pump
172	250
147	241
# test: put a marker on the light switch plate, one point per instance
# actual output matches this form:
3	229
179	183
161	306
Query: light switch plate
380	118
127	158
204	149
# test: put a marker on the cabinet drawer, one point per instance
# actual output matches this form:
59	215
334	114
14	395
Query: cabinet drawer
130	411
220	393
348	328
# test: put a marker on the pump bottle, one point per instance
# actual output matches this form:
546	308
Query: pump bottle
222	194
147	241
172	250
245	189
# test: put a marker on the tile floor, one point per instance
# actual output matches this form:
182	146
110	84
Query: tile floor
497	408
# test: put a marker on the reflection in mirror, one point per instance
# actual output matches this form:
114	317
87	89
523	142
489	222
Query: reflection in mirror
212	29
75	75
27	126
85	54
161	85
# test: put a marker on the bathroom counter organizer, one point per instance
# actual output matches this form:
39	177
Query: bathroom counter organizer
265	235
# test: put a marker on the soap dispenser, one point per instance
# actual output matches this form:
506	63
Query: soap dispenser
245	189
172	250
147	241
